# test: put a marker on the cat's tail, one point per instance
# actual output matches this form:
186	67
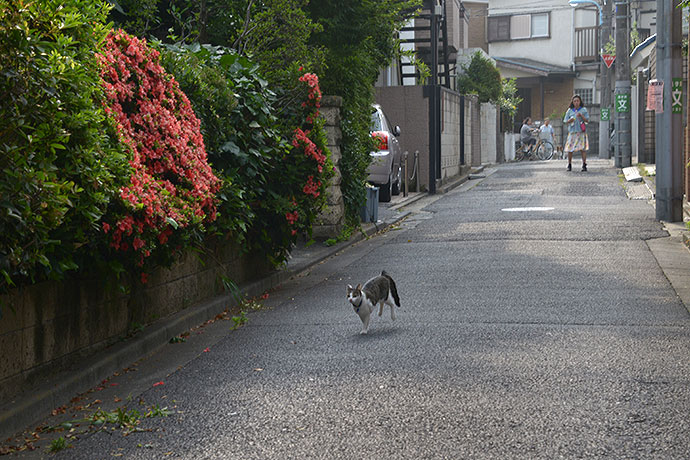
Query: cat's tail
394	289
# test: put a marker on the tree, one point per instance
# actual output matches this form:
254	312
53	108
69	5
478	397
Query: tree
481	77
359	38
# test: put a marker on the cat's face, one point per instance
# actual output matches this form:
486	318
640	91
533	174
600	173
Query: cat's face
354	294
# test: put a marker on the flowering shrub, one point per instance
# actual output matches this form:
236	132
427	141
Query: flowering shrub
278	166
305	171
171	190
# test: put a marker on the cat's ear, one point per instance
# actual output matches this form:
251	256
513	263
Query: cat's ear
359	287
349	288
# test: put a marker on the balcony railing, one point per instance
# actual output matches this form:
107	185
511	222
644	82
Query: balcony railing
586	44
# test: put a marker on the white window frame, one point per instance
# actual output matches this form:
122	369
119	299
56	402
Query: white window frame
548	25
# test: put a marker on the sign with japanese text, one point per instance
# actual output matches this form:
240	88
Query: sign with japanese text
677	95
623	102
605	114
655	96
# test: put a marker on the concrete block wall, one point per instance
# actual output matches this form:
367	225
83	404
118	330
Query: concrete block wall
450	135
476	129
468	130
489	128
47	327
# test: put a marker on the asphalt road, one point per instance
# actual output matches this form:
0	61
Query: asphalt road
535	323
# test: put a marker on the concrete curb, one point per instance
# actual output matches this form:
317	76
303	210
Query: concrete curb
36	403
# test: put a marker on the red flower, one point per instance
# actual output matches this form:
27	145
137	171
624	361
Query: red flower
171	178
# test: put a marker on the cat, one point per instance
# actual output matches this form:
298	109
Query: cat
381	290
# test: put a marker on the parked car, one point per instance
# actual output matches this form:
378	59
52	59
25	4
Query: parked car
384	169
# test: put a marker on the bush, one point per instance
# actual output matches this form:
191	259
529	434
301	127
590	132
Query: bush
171	192
61	162
265	161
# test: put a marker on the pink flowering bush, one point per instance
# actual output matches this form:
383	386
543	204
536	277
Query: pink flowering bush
304	172
171	192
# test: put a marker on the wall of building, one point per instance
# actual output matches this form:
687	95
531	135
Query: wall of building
476	31
556	49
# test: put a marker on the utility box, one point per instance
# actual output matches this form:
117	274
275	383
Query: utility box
370	211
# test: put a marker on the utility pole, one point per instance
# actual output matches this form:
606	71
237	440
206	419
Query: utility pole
669	123
604	82
434	94
623	140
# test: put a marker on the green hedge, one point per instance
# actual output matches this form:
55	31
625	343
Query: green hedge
60	158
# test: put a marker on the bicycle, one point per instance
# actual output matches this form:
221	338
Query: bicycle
542	150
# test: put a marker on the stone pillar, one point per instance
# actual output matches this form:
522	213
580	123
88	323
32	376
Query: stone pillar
330	223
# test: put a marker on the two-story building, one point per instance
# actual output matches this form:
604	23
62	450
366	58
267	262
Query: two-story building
551	49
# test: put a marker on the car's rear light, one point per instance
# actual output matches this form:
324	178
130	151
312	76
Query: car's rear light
382	138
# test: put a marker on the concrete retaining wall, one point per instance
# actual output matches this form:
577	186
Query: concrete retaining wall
48	326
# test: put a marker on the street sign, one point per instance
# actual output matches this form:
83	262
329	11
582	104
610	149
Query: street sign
623	103
605	114
677	95
608	59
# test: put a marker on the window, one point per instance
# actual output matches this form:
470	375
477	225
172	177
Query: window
518	26
498	28
586	94
540	25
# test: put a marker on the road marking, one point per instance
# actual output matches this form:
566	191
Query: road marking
527	209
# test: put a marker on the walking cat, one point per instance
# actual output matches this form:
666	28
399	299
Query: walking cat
381	290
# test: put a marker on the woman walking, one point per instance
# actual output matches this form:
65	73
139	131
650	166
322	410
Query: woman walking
576	118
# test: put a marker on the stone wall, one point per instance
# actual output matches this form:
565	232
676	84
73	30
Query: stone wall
331	221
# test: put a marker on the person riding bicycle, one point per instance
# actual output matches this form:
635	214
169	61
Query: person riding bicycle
546	131
526	137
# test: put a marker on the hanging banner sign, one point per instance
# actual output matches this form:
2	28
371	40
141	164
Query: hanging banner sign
608	59
655	96
677	95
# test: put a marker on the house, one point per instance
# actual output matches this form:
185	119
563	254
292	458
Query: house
550	48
